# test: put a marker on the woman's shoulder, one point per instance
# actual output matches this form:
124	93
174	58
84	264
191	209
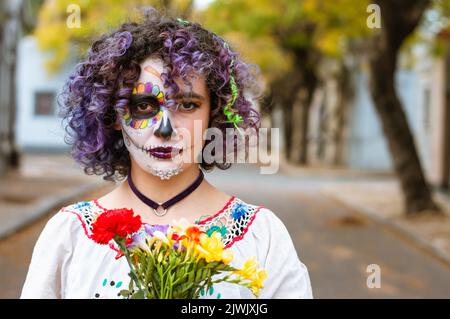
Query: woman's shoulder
269	220
82	213
238	219
71	221
70	214
256	213
62	229
264	224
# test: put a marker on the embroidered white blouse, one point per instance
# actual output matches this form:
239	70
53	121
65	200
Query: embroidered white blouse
66	263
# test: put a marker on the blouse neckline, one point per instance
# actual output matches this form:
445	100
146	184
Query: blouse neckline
209	216
232	221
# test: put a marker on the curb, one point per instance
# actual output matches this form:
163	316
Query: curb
418	241
44	207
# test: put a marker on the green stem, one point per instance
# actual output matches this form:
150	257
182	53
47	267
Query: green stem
161	293
130	263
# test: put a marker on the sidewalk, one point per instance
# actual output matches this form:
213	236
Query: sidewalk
378	196
44	183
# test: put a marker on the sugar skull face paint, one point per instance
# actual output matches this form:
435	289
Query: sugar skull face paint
146	106
151	129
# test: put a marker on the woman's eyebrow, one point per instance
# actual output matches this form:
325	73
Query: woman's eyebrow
181	95
188	95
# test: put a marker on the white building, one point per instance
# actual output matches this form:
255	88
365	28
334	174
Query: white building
38	125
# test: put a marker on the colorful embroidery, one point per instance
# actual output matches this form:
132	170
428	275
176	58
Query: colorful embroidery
239	211
222	230
232	221
210	292
86	212
108	291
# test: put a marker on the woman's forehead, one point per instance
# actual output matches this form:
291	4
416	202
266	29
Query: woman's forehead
153	67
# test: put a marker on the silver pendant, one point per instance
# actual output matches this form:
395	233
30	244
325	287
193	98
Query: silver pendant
160	211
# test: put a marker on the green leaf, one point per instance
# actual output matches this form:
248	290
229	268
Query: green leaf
191	275
125	293
132	275
149	270
198	276
138	295
213	264
186	286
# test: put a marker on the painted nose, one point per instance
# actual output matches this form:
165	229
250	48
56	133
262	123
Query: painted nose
165	130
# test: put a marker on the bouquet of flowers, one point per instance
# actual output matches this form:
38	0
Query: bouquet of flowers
177	261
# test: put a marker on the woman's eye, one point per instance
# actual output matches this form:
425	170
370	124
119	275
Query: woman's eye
142	108
188	106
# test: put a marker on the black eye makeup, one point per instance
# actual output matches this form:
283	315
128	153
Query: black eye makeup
143	106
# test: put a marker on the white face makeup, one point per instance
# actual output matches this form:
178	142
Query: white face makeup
149	127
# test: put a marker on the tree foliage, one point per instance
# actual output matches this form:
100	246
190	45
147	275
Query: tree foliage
270	31
61	40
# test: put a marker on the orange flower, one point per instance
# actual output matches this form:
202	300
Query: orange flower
177	237
194	234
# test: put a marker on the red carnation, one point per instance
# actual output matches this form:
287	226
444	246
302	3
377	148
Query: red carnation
120	222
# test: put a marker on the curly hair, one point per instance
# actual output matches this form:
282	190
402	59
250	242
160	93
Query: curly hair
103	81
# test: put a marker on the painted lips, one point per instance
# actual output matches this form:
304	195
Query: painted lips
164	152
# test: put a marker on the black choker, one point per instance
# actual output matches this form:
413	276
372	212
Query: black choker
160	209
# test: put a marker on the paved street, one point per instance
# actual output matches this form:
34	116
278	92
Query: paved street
334	241
337	244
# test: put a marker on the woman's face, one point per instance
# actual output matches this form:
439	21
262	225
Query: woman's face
162	139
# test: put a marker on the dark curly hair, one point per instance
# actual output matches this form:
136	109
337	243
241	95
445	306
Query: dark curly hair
103	81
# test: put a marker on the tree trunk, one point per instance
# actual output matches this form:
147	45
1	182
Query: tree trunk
283	94
287	133
300	125
296	132
294	92
400	17
10	23
345	87
303	76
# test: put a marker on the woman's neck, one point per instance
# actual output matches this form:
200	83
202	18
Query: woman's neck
162	190
205	200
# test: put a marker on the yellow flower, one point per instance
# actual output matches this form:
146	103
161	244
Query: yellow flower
161	236
227	256
254	275
158	246
258	280
248	270
211	248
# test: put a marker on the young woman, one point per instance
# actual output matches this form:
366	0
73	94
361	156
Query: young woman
134	108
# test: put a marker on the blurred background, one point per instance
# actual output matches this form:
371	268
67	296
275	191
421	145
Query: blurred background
359	89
